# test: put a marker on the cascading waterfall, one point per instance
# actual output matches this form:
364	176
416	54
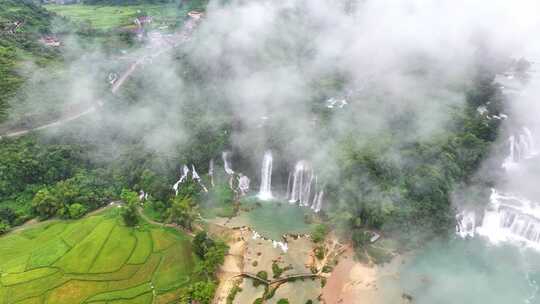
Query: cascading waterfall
243	184
195	176
512	219
143	195
318	201
466	224
300	187
226	164
211	172
521	146
228	170
265	192
508	217
185	172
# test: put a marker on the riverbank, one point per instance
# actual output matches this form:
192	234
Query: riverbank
353	282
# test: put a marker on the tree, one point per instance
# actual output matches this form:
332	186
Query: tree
182	212
7	215
129	210
202	243
283	301
4	227
45	204
203	292
76	211
212	260
319	233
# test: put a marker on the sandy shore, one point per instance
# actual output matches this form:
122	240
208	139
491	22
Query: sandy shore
232	266
353	282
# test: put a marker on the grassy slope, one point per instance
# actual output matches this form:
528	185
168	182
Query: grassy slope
104	17
93	260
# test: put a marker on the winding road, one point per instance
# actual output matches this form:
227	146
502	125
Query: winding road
180	37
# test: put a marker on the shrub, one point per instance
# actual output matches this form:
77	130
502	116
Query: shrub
4	227
319	233
203	292
276	270
129	212
232	294
76	211
319	252
327	269
283	301
261	274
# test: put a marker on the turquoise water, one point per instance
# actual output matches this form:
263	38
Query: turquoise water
272	219
472	272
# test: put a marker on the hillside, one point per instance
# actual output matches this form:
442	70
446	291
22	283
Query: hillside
94	260
21	25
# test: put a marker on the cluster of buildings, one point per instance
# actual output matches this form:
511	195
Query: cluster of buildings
50	41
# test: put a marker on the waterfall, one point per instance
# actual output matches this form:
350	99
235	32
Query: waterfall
265	192
521	146
226	164
512	219
211	172
297	182
243	184
466	224
185	172
302	183
508	217
306	192
317	204
289	185
195	176
143	196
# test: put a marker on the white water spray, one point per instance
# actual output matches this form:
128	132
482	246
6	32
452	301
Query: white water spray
298	184
512	219
195	176
265	192
226	164
243	184
185	172
301	183
521	147
211	172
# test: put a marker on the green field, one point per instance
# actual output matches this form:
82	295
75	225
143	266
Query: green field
104	17
94	260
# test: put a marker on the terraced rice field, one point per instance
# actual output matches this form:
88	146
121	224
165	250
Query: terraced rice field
94	260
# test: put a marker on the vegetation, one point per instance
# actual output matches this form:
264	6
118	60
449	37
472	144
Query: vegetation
412	197
232	293
203	292
99	257
319	233
21	24
261	274
278	271
129	211
107	17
